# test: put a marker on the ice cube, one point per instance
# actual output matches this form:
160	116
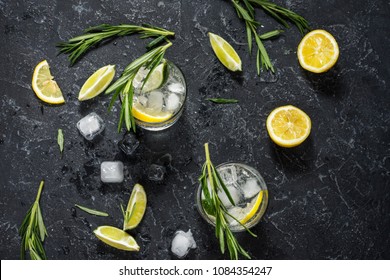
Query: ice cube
143	100
182	243
172	102
128	144
234	193
111	172
228	174
90	126
251	188
156	172
237	212
155	100
176	87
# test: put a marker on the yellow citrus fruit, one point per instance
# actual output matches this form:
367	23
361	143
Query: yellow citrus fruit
288	126
44	86
97	82
318	51
155	80
116	238
225	53
135	208
254	208
149	115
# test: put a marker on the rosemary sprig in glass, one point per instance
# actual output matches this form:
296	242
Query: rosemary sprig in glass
33	231
92	36
247	13
212	203
123	87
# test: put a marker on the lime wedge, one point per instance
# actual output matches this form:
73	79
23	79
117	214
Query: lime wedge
116	238
135	208
97	83
225	53
155	80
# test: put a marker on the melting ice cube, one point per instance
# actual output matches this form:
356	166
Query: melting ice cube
228	174
155	100
111	172
156	172
172	102
90	126
251	188
176	88
128	144
235	194
182	243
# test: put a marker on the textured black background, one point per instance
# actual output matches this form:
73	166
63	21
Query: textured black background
329	197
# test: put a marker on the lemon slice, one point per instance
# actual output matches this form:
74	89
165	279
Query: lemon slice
44	86
318	51
288	126
155	80
149	115
97	83
253	209
116	238
135	208
225	53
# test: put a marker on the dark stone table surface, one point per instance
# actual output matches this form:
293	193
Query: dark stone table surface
329	197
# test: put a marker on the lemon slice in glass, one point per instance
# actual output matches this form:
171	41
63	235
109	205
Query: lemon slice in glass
155	80
225	53
135	208
44	86
318	51
288	126
253	208
97	83
116	238
149	115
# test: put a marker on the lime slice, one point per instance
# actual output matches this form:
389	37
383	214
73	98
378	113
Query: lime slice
97	83
155	80
135	208
44	86
225	53
116	238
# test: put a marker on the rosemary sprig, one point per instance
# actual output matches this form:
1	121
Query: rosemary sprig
92	36
222	100
214	206
123	87
247	13
60	141
92	211
33	231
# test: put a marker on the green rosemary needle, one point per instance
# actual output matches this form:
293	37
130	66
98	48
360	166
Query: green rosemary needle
123	87
92	211
92	36
33	231
214	206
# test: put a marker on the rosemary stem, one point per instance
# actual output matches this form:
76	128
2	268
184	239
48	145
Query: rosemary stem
208	162
39	191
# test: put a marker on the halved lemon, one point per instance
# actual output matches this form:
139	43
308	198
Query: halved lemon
288	126
44	86
149	115
116	238
225	53
155	80
135	208
97	82
318	51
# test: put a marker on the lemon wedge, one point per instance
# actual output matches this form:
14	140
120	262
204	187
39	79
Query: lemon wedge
135	208
44	86
318	51
225	53
288	126
116	238
97	82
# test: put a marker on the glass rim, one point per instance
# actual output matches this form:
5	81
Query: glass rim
254	222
